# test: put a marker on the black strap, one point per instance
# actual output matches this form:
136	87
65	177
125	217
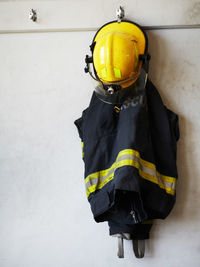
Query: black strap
92	46
145	58
120	253
88	60
139	248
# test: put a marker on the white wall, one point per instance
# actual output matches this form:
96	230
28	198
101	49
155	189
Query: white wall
45	219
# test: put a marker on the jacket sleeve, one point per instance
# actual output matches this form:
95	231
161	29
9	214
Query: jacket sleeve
164	136
173	121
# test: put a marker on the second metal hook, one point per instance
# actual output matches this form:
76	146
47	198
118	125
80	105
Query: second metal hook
33	15
120	14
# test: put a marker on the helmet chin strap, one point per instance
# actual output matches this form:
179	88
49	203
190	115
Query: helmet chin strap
115	87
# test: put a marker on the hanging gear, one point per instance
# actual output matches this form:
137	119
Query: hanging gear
130	161
128	138
120	60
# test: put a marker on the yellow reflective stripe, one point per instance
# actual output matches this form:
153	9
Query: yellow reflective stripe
144	175
82	146
102	173
155	180
136	55
166	178
129	152
146	164
137	154
117	73
127	162
163	184
130	157
96	175
97	186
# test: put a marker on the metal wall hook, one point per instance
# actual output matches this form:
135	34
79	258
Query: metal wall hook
33	15
120	13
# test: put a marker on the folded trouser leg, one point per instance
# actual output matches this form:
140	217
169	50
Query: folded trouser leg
123	223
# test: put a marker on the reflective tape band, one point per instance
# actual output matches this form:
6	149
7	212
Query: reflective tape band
136	55
117	73
82	146
130	157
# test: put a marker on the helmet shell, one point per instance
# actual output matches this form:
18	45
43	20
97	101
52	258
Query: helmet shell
116	51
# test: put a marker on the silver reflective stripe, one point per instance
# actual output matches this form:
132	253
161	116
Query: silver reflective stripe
130	157
101	179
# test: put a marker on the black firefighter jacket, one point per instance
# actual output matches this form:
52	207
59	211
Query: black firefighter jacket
129	153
